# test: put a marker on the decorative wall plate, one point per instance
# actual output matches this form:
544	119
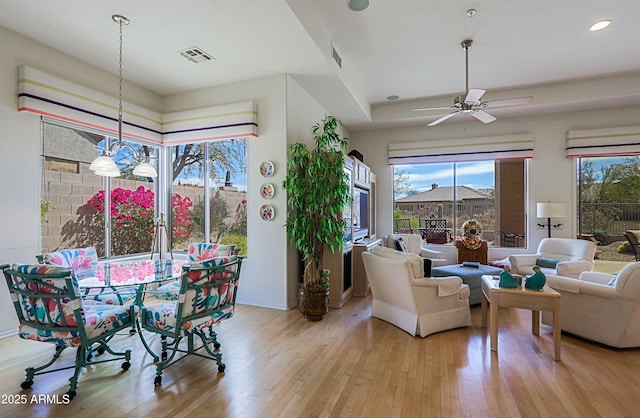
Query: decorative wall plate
267	212
267	191
267	169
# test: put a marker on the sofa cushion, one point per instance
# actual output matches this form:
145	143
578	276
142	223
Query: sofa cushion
550	263
415	261
401	245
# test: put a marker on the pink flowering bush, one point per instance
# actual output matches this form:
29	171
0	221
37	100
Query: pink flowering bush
132	217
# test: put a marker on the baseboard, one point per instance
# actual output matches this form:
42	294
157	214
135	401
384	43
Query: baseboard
9	333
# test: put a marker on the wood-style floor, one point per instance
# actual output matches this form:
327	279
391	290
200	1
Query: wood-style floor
348	365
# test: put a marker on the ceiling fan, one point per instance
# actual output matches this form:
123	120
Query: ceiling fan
471	103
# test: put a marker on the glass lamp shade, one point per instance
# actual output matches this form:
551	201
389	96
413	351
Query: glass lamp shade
108	172
358	5
144	169
102	162
104	166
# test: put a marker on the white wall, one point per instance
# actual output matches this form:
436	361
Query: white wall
303	111
20	148
263	275
265	278
551	176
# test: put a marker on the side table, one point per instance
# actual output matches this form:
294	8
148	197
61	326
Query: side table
546	299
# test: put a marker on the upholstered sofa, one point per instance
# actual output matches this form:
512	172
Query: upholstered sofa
415	304
557	256
414	245
601	307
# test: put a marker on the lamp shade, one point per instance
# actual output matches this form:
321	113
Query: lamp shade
144	169
102	162
108	172
550	210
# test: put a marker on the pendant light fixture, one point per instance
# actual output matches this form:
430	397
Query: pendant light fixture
104	165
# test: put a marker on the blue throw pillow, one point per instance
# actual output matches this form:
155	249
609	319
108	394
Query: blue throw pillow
549	263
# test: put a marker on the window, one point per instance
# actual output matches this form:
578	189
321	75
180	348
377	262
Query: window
209	198
608	194
72	200
438	198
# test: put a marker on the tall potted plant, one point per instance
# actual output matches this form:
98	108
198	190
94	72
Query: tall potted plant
317	192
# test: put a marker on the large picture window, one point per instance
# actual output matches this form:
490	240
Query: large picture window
435	200
72	199
210	180
608	193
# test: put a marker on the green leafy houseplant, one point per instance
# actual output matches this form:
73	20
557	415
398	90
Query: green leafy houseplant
317	192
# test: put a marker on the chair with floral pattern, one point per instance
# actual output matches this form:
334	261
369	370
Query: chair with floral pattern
196	252
83	262
47	302
207	296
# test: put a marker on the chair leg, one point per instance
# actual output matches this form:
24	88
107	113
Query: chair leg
33	371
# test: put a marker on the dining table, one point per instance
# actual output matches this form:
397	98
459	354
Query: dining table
133	276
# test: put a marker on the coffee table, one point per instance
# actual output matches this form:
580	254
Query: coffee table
469	275
546	299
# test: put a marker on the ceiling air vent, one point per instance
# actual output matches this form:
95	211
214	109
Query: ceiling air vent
195	54
336	57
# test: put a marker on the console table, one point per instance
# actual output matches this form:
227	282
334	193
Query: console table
360	281
465	254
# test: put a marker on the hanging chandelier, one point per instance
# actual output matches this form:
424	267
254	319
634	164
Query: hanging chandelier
104	165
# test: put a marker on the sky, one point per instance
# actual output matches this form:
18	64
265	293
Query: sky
476	174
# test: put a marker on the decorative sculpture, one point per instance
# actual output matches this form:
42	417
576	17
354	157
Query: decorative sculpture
536	280
471	231
507	280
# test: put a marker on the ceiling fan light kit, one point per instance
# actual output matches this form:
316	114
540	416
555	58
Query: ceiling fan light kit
471	103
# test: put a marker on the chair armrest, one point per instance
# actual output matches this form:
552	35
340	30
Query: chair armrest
427	253
565	284
594	277
573	268
520	260
598	290
446	286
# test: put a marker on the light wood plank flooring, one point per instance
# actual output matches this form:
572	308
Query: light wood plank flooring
348	365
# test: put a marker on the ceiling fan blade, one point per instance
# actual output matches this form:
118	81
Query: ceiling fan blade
442	119
482	116
509	102
474	96
433	108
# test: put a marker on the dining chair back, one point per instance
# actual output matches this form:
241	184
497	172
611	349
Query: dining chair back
196	252
49	309
207	296
200	251
84	262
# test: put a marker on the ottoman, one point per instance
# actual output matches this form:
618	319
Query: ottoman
470	275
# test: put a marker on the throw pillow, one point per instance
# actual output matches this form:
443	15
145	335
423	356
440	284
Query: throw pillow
549	263
427	267
401	245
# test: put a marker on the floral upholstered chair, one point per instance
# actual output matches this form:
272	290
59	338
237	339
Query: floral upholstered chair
207	296
83	262
47	302
196	252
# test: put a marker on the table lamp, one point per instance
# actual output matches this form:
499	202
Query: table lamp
549	210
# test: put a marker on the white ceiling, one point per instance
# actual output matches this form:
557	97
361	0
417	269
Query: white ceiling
408	48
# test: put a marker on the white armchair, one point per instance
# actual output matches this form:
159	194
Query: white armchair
414	245
417	305
557	256
601	307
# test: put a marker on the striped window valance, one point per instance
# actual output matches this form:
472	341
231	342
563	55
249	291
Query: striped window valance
460	150
51	96
604	141
206	124
48	95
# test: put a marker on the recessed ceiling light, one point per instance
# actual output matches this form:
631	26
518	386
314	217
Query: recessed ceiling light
471	12
599	25
393	97
358	5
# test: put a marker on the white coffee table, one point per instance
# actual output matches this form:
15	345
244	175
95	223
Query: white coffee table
546	299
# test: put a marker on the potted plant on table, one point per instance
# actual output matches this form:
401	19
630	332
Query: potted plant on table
317	192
